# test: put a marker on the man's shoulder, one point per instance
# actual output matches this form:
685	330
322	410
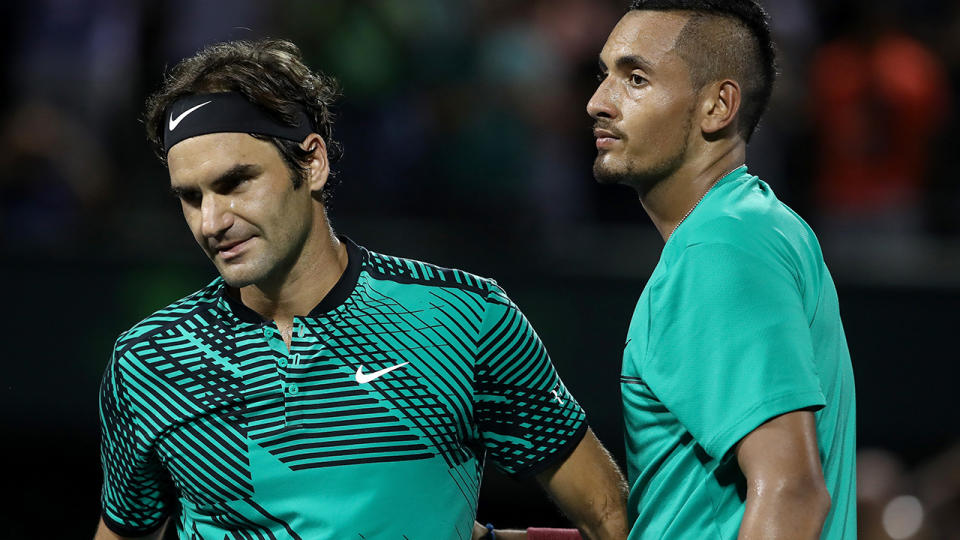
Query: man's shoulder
405	271
750	216
170	315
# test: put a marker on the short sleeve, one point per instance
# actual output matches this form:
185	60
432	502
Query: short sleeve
136	489
527	418
729	344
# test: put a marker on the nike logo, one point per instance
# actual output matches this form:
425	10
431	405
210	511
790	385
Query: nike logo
174	122
367	377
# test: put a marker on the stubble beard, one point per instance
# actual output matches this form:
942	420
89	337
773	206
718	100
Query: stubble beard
266	268
639	177
245	273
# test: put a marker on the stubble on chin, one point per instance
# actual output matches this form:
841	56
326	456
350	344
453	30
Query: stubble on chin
241	273
235	279
603	174
640	180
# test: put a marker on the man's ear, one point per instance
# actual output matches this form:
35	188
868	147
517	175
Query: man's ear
721	107
318	166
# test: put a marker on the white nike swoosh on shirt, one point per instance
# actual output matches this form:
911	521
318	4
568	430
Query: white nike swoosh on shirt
367	377
174	122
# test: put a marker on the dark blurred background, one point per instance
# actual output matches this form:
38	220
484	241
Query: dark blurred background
467	145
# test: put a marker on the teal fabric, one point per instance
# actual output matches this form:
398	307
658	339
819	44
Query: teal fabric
738	323
374	424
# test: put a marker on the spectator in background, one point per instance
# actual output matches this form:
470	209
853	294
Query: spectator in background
878	99
944	196
55	177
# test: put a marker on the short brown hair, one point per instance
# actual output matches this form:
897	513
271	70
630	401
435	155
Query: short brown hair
268	72
727	38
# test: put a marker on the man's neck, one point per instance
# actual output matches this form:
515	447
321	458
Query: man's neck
317	269
670	201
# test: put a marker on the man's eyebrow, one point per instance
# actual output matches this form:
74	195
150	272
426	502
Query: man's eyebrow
180	192
240	171
634	60
237	173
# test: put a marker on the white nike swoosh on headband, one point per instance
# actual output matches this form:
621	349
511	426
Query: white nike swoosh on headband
174	122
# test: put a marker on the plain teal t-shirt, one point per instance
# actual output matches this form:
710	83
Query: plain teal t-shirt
739	323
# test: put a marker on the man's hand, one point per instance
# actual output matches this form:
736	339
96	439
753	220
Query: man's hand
589	488
479	531
786	494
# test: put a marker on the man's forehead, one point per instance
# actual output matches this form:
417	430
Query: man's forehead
216	150
647	33
205	156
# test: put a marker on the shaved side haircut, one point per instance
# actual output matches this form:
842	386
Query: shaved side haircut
726	39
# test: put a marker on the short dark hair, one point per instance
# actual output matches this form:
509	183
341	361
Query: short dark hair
742	50
268	72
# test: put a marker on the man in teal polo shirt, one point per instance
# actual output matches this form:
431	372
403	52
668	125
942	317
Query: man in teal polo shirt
738	389
316	389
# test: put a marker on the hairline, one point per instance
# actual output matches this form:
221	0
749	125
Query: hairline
699	75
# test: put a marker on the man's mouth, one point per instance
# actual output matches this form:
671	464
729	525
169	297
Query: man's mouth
230	250
605	138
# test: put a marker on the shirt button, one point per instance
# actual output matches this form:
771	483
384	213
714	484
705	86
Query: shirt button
292	389
282	362
266	331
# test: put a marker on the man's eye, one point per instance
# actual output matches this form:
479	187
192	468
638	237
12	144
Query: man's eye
237	183
232	184
637	80
190	197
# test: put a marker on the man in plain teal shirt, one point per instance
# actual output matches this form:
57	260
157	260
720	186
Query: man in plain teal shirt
737	383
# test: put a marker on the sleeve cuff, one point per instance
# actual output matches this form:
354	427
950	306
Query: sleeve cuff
126	530
559	455
721	444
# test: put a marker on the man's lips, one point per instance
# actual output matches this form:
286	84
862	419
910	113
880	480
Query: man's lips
229	250
605	139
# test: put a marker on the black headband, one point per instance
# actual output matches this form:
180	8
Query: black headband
226	112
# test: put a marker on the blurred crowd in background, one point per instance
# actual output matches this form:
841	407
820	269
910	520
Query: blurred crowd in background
475	109
461	117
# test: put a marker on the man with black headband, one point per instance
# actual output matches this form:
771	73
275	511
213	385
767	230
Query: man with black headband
738	390
316	389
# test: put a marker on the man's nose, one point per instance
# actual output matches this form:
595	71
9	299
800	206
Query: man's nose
601	103
216	215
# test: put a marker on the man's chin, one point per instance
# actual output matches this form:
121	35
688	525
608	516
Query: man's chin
605	175
237	277
237	283
641	182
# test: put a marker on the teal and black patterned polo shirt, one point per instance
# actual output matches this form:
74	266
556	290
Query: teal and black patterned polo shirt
374	423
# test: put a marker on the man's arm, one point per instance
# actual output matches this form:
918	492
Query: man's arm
104	533
786	493
590	490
